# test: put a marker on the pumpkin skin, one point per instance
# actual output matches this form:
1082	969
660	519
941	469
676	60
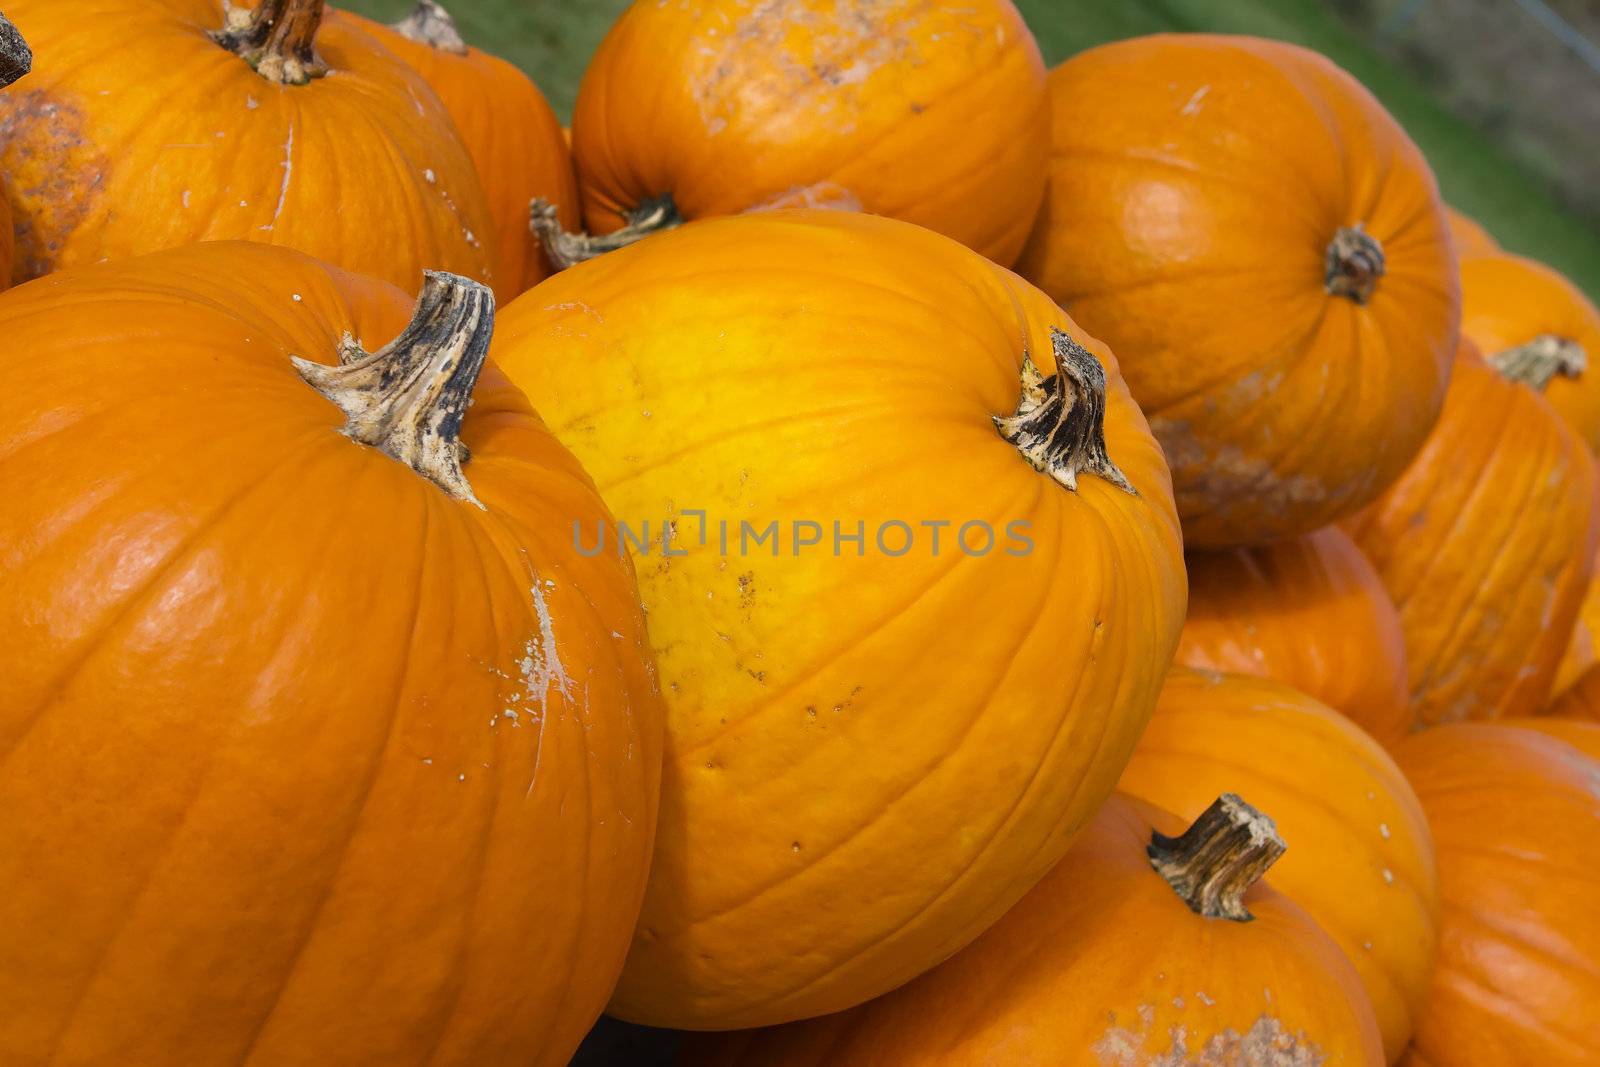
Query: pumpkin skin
733	367
1581	699
1583	735
137	132
1516	822
1583	650
1469	235
1488	583
928	113
1068	977
1309	612
1197	185
1360	858
514	137
285	725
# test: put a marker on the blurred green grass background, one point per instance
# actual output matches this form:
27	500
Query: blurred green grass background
553	39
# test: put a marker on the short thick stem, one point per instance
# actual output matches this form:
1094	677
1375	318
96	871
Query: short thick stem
431	24
1541	359
1216	861
408	399
1353	264
565	249
1059	424
16	58
278	38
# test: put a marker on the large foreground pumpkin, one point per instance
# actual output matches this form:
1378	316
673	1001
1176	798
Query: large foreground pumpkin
1360	858
311	756
1139	949
1266	252
148	124
1486	545
931	113
1516	824
876	744
1310	612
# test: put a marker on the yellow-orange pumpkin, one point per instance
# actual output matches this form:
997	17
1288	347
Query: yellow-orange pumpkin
876	745
1266	252
310	755
1469	235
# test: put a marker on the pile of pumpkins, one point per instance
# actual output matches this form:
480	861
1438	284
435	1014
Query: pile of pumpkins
452	586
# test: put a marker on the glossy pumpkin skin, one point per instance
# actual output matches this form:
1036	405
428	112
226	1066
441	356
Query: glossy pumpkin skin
1509	300
1486	545
305	761
1581	734
137	132
1583	650
1516	824
1581	700
1196	183
1068	976
914	738
514	137
1360	857
935	114
1309	612
1469	235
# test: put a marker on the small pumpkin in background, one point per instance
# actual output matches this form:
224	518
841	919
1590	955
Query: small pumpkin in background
1538	328
1266	252
306	711
1146	944
1581	700
1469	235
1309	612
515	139
1360	859
149	124
1486	545
1516	827
934	114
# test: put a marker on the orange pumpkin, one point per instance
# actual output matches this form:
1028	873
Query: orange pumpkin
1583	650
1516	824
1538	328
149	124
1469	235
515	139
1265	251
1581	734
1581	699
312	755
1486	545
1108	961
1360	859
910	731
1310	612
935	114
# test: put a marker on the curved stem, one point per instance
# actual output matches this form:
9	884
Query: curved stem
408	398
431	24
1353	264
1059	424
1216	861
1541	359
564	249
277	38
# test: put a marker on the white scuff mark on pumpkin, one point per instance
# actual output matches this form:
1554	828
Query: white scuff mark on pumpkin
1388	876
461	777
1383	830
251	103
427	762
186	198
297	298
1268	1043
1202	998
288	172
1193	106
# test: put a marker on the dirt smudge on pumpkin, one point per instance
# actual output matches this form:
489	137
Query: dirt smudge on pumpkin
1268	1043
55	174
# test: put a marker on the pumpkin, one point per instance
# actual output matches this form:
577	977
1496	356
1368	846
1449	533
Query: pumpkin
1583	650
1486	545
1361	859
514	137
148	124
1516	825
912	733
1538	328
1265	251
935	114
1469	235
322	744
1310	612
1139	948
1582	734
1581	700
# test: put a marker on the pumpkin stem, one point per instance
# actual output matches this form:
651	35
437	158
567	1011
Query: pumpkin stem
564	249
1353	264
16	58
1059	425
1541	359
408	398
431	24
1216	860
278	38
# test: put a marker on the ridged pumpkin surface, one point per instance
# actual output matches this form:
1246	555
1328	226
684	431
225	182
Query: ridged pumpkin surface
1469	235
1583	650
1581	700
1486	545
1309	612
872	755
301	759
1360	858
1201	190
932	113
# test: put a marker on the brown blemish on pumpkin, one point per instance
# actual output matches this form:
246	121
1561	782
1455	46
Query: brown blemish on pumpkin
55	174
1268	1043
